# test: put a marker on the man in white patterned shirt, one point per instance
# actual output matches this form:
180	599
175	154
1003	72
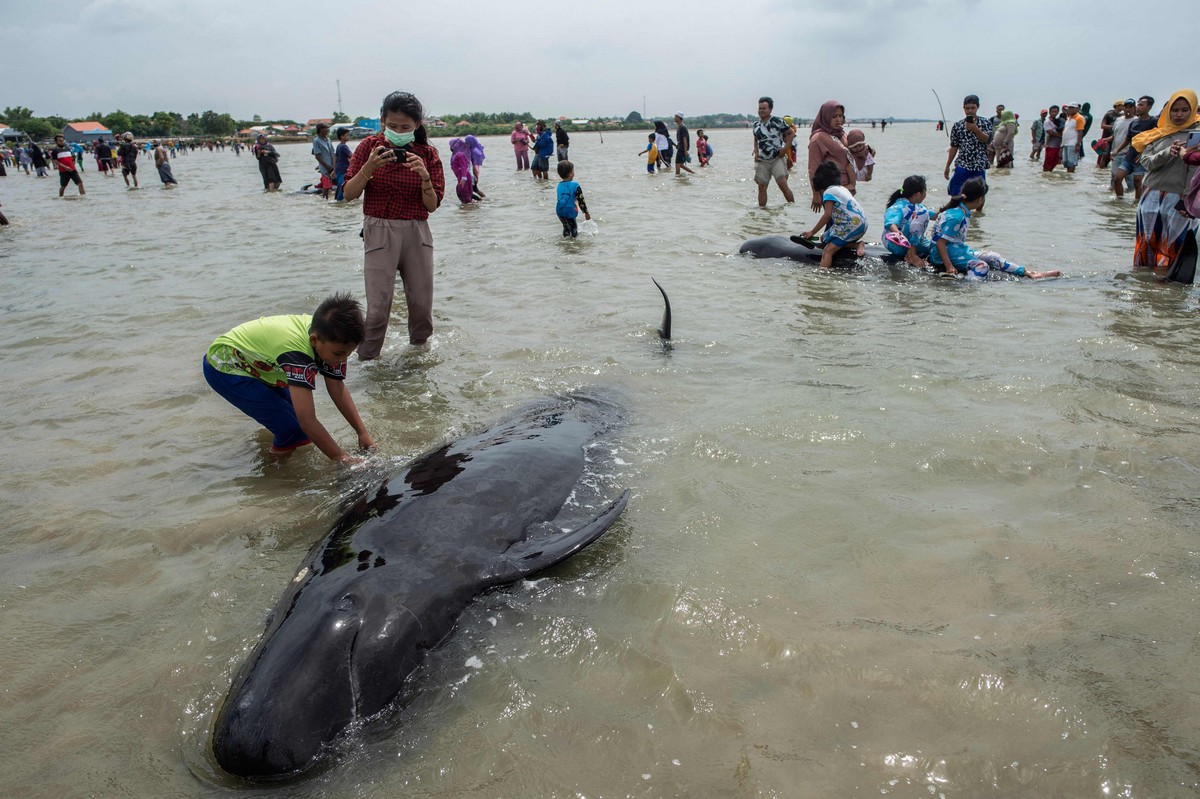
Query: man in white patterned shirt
772	137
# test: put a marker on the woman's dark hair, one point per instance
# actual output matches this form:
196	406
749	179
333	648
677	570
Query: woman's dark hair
661	127
913	184
339	319
410	106
825	175
973	189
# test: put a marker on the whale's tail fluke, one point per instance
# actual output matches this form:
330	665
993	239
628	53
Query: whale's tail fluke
664	331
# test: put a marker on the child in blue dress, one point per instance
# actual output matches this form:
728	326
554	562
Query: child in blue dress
950	252
843	219
906	221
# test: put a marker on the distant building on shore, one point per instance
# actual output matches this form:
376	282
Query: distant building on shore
85	132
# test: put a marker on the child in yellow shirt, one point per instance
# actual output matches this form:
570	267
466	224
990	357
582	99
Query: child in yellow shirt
652	158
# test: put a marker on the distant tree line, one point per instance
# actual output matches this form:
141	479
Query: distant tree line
698	121
483	124
160	123
210	123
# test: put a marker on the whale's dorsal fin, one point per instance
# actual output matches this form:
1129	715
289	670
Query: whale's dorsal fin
664	330
546	544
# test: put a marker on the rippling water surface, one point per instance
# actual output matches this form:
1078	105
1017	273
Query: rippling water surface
889	535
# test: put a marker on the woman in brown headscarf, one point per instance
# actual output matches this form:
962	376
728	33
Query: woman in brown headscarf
827	142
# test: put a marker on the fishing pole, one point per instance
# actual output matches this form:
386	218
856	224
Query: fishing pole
945	127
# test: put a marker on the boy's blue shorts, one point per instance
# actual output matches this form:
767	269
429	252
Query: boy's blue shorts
961	176
270	406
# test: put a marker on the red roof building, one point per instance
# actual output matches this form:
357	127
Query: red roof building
85	131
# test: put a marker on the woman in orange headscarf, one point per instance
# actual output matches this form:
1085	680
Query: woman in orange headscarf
1164	233
827	142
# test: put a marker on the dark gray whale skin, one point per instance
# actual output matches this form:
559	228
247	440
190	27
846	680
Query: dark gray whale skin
783	247
389	581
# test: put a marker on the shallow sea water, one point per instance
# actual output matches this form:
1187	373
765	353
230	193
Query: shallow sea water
889	535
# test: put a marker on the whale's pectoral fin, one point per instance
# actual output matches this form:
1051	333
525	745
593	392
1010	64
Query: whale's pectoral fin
545	545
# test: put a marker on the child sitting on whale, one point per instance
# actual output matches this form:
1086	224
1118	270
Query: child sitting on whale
906	221
842	217
268	370
950	252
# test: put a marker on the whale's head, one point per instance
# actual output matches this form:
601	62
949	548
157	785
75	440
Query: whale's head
337	652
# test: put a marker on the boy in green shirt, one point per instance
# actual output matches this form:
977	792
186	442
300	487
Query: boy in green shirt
268	369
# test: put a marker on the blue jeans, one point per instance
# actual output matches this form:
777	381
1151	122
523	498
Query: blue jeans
270	406
961	176
340	179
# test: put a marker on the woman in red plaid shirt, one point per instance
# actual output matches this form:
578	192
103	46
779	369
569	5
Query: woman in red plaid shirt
400	177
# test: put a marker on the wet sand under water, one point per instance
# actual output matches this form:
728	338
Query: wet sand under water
888	535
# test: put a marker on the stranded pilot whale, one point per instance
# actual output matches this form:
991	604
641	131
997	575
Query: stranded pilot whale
390	579
783	247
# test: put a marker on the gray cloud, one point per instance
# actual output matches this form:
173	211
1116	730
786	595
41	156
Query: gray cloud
879	57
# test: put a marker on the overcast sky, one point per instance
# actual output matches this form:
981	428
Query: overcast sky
879	57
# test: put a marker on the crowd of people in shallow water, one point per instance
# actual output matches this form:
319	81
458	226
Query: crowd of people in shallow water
1153	155
68	158
268	368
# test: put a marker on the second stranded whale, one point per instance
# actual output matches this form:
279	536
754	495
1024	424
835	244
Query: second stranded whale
784	247
389	581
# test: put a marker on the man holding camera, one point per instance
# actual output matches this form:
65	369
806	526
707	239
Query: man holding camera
969	140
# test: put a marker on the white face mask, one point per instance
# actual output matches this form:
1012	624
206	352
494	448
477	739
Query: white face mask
398	139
